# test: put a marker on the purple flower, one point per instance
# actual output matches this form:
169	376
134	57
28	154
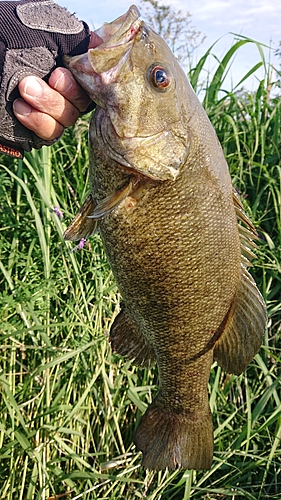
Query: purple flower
240	193
58	212
81	243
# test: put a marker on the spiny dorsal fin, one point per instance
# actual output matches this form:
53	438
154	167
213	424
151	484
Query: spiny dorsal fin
241	214
81	226
247	234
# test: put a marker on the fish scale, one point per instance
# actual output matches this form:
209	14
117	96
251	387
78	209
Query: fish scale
162	198
160	272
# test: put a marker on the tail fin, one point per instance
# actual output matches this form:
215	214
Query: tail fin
175	440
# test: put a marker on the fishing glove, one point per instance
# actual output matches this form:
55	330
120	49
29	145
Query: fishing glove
34	36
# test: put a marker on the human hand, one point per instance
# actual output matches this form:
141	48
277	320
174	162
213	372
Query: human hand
47	108
34	37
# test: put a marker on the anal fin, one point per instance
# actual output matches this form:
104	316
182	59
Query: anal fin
128	341
243	329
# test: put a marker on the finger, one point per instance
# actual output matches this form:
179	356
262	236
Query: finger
43	98
64	82
42	124
95	40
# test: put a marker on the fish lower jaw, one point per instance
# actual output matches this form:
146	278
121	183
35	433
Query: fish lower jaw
79	65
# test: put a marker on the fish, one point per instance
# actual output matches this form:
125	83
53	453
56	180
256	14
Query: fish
175	233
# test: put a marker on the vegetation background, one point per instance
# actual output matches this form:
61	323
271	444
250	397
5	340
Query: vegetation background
68	406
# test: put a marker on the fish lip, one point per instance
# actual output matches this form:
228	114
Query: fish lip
104	61
120	31
107	59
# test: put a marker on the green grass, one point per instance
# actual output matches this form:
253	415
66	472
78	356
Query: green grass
68	406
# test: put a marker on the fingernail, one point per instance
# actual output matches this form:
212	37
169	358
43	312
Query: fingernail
64	83
21	107
33	87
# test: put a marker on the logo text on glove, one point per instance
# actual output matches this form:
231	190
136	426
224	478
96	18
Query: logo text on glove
7	150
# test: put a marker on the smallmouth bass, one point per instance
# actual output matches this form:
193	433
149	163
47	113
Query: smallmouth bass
162	197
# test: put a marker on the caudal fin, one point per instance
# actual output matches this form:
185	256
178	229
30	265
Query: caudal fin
175	440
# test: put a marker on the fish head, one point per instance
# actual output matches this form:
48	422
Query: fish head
140	90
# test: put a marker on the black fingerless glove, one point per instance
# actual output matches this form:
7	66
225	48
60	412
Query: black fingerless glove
34	36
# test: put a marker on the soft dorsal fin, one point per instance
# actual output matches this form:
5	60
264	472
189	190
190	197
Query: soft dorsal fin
244	328
244	325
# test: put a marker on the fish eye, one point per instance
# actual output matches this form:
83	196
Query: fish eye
159	76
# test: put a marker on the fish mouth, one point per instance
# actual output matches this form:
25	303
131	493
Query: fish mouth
123	29
118	37
113	43
107	73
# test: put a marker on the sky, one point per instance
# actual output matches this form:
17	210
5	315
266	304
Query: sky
256	19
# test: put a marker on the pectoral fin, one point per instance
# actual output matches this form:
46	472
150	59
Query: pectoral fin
85	223
243	329
82	226
111	202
